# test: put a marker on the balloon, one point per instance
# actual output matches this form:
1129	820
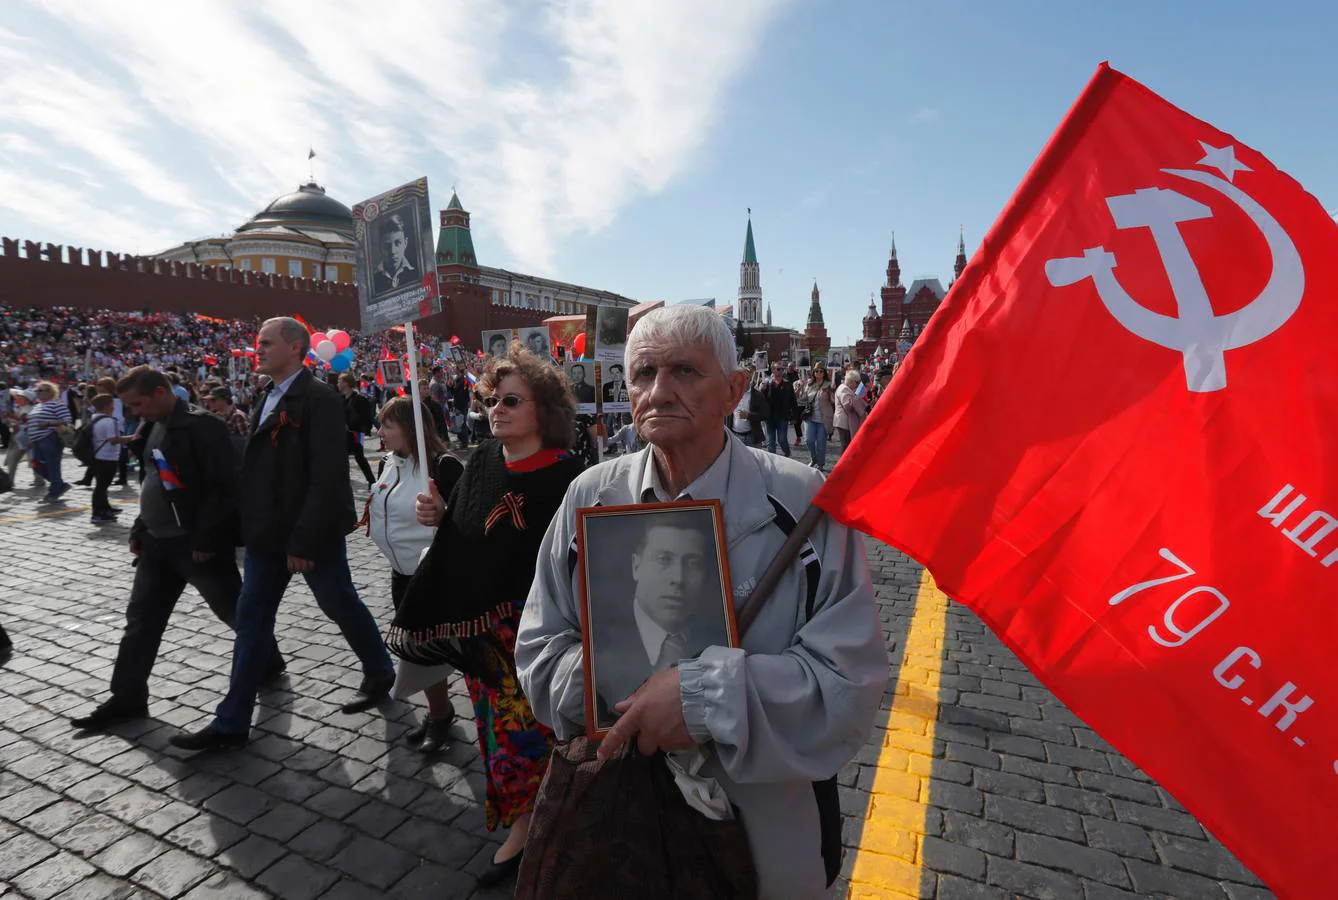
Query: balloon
318	336
578	346
342	362
327	350
340	338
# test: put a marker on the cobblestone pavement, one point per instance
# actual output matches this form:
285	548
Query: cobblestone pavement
977	783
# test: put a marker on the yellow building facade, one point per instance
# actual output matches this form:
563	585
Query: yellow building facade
306	234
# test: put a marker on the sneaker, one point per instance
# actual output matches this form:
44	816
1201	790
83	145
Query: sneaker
103	520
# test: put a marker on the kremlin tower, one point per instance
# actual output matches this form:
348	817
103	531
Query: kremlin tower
815	333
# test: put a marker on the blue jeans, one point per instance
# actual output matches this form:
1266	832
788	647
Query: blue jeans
778	432
266	578
46	455
815	438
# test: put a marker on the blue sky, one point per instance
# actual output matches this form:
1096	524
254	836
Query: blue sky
617	143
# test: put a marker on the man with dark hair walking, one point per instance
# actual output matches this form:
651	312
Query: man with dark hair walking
297	507
186	533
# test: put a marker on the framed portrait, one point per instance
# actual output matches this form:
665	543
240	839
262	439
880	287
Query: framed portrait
392	372
497	343
581	376
613	388
394	247
656	593
537	341
610	333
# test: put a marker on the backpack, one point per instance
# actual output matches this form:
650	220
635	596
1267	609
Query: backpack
82	449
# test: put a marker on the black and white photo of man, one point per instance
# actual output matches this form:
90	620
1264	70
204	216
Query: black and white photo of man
610	333
395	270
676	609
615	385
580	387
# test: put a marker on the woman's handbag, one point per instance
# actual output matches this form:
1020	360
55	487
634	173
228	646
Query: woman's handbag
621	828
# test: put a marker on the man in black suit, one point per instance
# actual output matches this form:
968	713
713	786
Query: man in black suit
584	390
615	389
395	270
671	616
296	508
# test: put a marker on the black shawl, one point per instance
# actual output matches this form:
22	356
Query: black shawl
479	569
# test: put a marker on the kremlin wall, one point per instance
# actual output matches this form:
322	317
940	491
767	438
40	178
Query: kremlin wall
242	275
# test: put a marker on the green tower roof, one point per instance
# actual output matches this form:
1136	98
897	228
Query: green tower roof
749	251
455	201
455	245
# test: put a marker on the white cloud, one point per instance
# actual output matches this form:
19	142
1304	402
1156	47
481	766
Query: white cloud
552	115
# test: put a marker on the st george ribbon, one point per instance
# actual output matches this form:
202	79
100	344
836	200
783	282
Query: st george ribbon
1117	443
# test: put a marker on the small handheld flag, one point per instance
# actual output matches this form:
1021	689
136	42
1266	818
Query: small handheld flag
168	475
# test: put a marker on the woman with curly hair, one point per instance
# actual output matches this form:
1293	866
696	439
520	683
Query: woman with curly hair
463	605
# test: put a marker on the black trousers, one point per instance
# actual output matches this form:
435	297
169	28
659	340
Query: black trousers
5	436
104	470
165	568
355	448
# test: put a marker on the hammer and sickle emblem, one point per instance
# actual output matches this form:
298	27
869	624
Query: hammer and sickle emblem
1201	337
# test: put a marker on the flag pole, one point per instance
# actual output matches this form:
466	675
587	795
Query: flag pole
412	345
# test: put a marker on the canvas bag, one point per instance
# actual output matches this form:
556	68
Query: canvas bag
621	828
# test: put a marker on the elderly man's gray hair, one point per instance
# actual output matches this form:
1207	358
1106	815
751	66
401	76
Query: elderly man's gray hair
685	325
292	331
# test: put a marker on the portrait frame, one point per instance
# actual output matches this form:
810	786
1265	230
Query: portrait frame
527	337
611	329
392	371
488	337
609	598
383	306
587	399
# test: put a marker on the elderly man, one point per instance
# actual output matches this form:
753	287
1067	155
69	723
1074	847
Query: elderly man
296	508
778	717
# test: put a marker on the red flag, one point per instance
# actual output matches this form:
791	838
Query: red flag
305	324
1115	442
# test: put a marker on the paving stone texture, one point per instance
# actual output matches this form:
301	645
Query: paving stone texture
976	783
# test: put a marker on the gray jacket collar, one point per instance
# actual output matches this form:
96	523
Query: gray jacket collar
745	504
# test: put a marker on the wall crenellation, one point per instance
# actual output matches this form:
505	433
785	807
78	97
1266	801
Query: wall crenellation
28	252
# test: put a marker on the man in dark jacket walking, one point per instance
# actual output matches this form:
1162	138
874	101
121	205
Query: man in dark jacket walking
297	508
186	533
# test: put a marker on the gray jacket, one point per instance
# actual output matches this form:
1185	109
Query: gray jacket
790	708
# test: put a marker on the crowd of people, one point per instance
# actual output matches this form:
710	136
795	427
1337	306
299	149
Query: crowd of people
479	539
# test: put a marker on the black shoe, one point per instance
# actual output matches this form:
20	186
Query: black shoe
371	692
497	872
274	674
209	739
414	736
109	714
438	736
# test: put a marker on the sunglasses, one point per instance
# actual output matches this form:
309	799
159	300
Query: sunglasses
510	401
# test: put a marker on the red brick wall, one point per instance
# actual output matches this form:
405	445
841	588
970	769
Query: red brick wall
51	275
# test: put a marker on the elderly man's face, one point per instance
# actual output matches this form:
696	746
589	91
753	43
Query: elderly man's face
679	394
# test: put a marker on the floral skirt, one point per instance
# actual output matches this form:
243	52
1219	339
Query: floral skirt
515	745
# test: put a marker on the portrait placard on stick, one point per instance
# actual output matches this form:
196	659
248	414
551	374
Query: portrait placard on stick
396	270
610	333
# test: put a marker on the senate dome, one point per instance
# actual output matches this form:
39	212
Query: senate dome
308	206
302	234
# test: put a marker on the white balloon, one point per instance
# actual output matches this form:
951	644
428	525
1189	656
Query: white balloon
326	350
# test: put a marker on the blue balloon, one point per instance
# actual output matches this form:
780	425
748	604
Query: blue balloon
343	361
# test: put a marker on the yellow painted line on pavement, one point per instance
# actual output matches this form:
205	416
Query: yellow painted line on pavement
890	856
